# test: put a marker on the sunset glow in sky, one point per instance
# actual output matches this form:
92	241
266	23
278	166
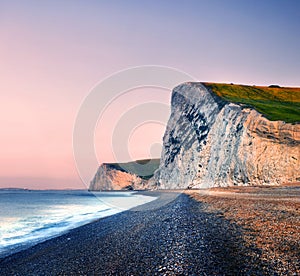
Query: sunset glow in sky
52	53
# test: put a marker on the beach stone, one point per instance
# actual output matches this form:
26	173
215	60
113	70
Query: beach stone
118	245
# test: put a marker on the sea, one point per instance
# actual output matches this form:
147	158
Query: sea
28	217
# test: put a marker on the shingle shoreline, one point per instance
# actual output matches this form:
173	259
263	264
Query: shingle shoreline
172	235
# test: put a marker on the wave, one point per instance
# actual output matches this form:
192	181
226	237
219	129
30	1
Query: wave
29	233
29	218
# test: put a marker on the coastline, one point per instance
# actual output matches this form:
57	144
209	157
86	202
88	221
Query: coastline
52	213
174	234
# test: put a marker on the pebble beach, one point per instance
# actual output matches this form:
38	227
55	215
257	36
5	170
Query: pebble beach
176	234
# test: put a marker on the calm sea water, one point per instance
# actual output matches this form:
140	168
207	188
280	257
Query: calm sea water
29	217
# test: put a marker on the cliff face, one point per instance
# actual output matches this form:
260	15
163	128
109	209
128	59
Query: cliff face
209	142
108	177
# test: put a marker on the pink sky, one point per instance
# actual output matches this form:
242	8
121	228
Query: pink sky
52	54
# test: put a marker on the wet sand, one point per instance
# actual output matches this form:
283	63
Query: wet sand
173	235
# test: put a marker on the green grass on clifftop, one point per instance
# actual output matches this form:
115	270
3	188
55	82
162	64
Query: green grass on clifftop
275	103
145	172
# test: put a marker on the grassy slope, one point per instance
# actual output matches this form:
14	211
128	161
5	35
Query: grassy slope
144	172
274	103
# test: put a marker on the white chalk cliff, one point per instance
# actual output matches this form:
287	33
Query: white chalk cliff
108	177
209	142
124	176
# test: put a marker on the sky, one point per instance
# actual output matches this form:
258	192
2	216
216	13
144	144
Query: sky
52	54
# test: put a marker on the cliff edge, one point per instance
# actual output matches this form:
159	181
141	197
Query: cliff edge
124	176
211	142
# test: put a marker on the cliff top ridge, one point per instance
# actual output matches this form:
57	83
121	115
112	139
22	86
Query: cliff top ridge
274	102
145	172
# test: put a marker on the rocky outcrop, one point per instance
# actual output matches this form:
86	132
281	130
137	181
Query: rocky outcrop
108	177
210	142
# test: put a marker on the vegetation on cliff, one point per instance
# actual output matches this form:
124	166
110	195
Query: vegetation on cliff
274	102
145	172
